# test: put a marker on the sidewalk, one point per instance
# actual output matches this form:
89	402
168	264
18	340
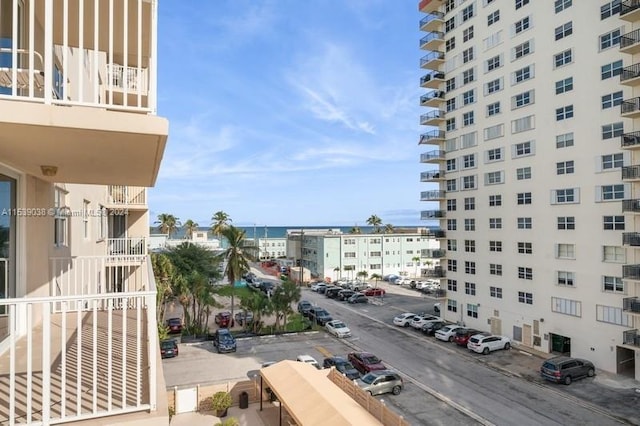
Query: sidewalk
248	417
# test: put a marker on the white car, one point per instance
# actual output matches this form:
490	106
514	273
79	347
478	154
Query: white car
404	320
419	320
338	328
428	284
447	333
309	360
484	344
316	286
402	281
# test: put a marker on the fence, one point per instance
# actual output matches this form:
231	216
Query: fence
203	393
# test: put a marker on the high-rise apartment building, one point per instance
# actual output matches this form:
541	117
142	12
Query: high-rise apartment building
80	142
534	132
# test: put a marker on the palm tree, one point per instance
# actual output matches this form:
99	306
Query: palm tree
164	273
237	255
416	259
376	277
219	221
168	223
374	221
337	271
363	275
355	230
190	227
388	228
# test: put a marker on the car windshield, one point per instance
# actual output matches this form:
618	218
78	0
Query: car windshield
370	359
175	321
226	338
369	378
168	345
344	366
339	324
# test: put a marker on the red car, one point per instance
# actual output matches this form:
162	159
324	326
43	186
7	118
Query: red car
374	292
365	362
224	319
462	336
175	325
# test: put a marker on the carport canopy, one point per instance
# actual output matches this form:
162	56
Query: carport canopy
311	398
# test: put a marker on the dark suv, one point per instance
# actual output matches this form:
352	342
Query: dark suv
319	316
303	307
563	369
224	341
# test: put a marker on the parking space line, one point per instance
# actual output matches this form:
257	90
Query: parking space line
323	351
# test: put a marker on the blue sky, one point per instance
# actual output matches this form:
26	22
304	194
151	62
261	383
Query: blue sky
290	112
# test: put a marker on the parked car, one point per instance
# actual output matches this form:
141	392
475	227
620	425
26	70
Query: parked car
175	325
381	381
243	318
564	369
332	292
309	360
345	294
224	341
390	278
338	328
358	298
342	365
430	328
316	286
319	315
358	285
365	362
168	349
484	344
304	306
447	332
374	292
403	320
224	319
322	288
462	336
419	320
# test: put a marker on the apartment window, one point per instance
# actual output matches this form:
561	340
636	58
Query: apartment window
611	100
525	248
613	223
451	124
523	198
493	17
493	109
565	251
469	97
613	254
452	285
495	269
451	205
564	30
613	315
495	223
612	130
565	85
526	298
610	9
451	164
566	223
494	178
493	40
470	289
469	161
612	192
495	246
470	267
565	196
472	310
467	55
612	284
522	50
86	208
522	25
470	203
452	265
563	58
468	76
60	223
451	104
350	254
469	224
470	246
450	44
469	182
523	149
452	305
525	223
565	278
494	155
525	273
610	39
495	292
449	24
493	63
493	86
452	245
523	173
565	167
468	140
561	5
564	113
522	124
450	84
522	99
611	70
467	118
449	5
467	13
467	34
564	140
523	74
495	200
566	306
451	185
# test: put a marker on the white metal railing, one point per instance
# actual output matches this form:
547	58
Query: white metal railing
134	246
67	364
93	53
125	195
4	289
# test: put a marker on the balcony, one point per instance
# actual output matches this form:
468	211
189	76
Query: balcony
630	76
630	140
631	338
126	197
136	246
432	118
433	137
434	233
631	305
433	214
432	99
631	272
630	10
432	41
435	195
432	176
631	173
107	82
432	80
632	206
433	253
84	352
435	156
630	108
432	60
429	6
631	239
630	42
437	272
432	21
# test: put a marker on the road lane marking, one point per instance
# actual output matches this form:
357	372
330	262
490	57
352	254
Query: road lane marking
324	352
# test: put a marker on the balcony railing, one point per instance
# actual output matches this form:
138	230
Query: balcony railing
136	246
433	36
437	272
431	175
433	253
431	56
434	75
127	196
631	172
631	239
628	6
631	304
432	117
62	58
629	39
630	72
631	206
631	139
432	195
432	137
433	214
434	94
631	338
631	272
80	355
428	157
630	106
434	233
431	17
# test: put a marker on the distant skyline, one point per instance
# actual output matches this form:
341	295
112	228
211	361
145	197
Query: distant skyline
290	112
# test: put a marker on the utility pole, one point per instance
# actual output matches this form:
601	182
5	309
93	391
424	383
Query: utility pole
301	254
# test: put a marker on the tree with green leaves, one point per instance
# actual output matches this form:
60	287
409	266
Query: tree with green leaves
168	223
337	271
237	255
164	273
363	275
355	230
258	303
376	278
219	221
190	227
281	300
388	228
416	259
374	221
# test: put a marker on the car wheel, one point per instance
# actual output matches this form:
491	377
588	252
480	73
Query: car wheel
485	351
396	390
591	372
507	346
567	380
406	324
450	339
